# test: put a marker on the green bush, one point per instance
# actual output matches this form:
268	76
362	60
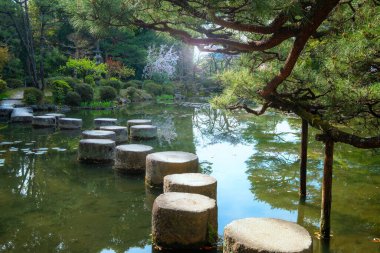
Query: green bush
137	95
113	82
33	96
14	83
72	98
60	89
89	79
168	89
152	87
85	91
133	83
3	85
107	93
68	79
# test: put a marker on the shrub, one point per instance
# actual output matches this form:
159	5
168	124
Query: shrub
107	93
113	82
152	87
137	95
68	79
168	89
85	91
133	83
33	96
60	88
72	98
89	79
14	83
3	85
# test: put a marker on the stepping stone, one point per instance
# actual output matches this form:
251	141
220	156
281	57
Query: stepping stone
184	221
120	131
133	122
5	111
104	122
131	158
56	115
191	183
160	164
98	134
143	132
70	123
96	150
253	235
44	121
21	115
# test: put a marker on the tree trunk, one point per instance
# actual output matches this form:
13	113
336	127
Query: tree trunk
42	51
301	212
303	164
326	190
30	44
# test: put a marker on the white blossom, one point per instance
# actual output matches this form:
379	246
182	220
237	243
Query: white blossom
161	61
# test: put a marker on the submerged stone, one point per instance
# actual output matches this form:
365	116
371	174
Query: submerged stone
21	115
6	143
44	121
134	122
143	132
191	183
69	123
120	131
99	122
184	221
131	158
160	164
254	235
56	115
98	134
96	150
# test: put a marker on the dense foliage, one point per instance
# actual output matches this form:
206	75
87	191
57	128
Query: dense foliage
72	98
107	93
33	96
85	91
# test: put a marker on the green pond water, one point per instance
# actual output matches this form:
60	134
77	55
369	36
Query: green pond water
49	202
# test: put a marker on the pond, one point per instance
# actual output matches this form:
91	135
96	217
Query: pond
51	203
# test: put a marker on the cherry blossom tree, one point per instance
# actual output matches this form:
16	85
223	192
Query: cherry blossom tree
161	62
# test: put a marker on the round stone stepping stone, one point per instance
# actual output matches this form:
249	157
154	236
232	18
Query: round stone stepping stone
120	131
253	235
96	150
21	115
191	183
143	132
44	121
104	122
184	221
160	164
133	122
98	134
131	158
70	123
56	115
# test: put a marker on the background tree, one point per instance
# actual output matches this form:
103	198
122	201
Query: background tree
161	63
4	57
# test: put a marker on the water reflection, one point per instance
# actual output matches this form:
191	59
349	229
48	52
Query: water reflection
52	203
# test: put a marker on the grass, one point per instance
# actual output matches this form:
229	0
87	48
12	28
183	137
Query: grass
165	98
9	93
97	104
3	95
